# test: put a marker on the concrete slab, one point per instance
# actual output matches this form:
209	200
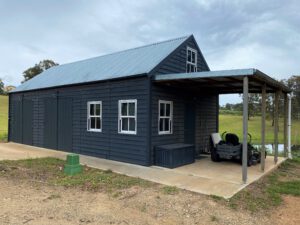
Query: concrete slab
223	179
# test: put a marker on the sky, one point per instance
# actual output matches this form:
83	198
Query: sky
231	34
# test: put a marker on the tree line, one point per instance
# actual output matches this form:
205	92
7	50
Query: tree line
255	102
29	74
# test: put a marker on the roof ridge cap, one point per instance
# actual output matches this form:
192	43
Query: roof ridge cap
129	49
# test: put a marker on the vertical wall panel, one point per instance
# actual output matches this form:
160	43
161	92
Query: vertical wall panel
16	119
27	119
50	123
65	118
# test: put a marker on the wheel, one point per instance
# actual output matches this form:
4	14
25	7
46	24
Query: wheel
214	156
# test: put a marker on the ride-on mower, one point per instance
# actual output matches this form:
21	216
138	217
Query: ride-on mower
228	147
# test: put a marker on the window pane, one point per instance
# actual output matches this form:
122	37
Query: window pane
131	124
124	109
131	109
162	109
97	106
161	122
167	124
193	57
91	109
189	56
124	123
98	124
168	109
93	123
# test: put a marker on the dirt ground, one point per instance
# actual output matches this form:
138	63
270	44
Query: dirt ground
24	202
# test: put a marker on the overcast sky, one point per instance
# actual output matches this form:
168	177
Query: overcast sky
231	34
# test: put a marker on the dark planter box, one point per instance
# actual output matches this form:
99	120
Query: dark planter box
174	155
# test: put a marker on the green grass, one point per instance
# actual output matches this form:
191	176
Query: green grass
233	124
170	190
268	192
50	171
3	117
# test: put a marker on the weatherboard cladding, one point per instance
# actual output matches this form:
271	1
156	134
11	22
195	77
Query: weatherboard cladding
207	108
126	63
106	144
206	117
176	62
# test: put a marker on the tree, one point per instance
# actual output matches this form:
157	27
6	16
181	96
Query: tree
294	84
38	68
254	105
1	87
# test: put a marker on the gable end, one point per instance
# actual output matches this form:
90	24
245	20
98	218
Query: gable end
176	61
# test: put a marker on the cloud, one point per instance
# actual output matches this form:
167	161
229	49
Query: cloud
231	34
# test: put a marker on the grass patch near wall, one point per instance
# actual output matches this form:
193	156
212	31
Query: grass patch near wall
3	117
50	171
234	124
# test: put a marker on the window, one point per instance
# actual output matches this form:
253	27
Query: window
127	116
94	116
165	117
191	61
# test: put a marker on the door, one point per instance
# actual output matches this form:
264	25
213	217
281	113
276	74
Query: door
189	123
27	119
65	113
50	123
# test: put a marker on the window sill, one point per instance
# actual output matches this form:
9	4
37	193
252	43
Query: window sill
96	131
165	133
127	132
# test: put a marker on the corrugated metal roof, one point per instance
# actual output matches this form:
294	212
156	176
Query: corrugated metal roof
235	73
130	62
205	74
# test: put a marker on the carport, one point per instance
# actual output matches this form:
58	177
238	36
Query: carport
240	81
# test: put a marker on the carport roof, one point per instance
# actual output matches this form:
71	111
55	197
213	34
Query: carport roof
222	81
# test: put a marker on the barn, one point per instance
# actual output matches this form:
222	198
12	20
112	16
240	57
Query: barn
128	106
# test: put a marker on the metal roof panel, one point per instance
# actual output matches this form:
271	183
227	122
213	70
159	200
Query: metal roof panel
125	63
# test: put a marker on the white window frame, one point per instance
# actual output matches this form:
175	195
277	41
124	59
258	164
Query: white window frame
120	131
89	116
170	131
191	63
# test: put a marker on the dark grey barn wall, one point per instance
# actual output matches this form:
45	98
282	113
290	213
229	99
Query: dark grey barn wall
206	116
176	61
207	111
108	143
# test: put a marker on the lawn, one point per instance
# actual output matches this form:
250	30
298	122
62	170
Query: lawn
3	117
269	191
234	124
50	170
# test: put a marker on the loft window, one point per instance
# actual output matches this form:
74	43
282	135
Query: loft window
127	116
94	116
165	117
191	61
